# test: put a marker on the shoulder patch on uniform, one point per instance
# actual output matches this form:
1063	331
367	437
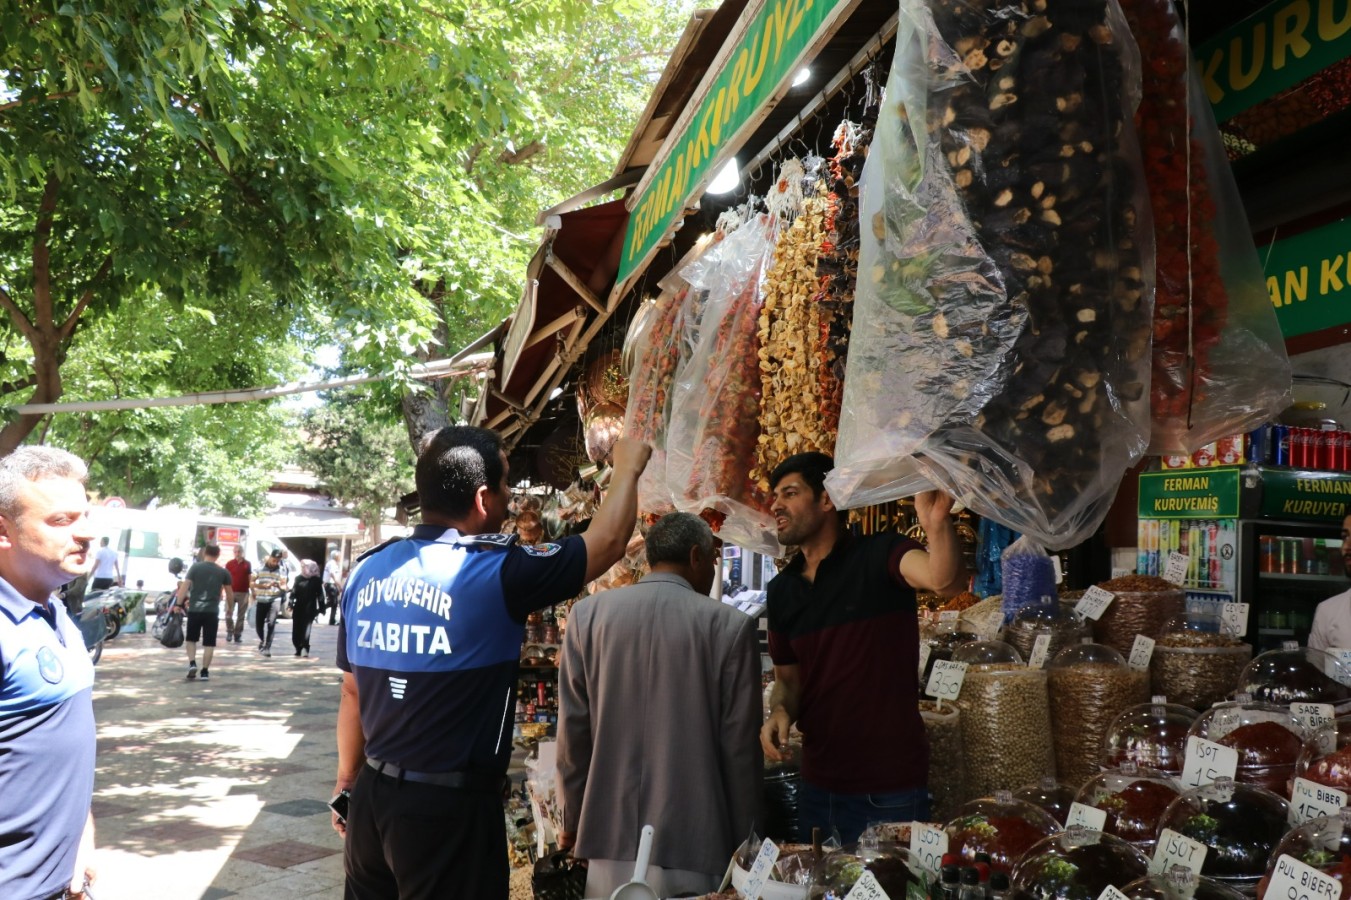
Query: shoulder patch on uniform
490	540
541	549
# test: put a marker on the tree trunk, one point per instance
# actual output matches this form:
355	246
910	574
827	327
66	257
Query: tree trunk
424	412
47	367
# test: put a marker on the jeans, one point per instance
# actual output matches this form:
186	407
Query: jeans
850	814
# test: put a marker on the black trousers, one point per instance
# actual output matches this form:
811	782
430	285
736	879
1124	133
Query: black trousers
412	841
265	620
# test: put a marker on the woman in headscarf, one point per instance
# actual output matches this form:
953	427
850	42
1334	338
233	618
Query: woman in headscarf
308	594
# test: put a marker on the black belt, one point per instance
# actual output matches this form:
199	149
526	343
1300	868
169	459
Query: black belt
466	781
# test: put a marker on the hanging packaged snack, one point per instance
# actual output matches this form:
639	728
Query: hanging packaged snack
655	355
1029	578
714	424
1000	345
1219	360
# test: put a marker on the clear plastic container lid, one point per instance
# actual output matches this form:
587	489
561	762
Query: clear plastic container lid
1152	735
891	865
1088	654
1240	823
986	653
1001	826
1077	863
1050	795
1197	631
1298	675
1323	843
1047	619
1134	801
1180	884
1326	756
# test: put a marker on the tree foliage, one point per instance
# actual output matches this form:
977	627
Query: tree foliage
360	454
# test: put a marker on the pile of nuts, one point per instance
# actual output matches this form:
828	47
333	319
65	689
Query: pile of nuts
1197	668
1087	697
1006	724
1134	613
947	759
790	354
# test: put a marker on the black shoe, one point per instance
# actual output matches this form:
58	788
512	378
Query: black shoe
297	653
206	674
192	671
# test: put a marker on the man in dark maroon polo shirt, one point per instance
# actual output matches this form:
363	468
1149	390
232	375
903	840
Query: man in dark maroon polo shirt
844	639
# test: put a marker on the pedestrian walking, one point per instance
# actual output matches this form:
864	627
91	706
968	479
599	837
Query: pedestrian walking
203	590
332	585
266	587
47	735
106	571
307	596
429	644
237	607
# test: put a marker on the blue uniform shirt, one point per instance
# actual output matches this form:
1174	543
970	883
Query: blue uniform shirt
431	630
47	743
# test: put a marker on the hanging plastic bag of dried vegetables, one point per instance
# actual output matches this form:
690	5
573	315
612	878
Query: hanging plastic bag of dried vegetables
1000	345
1220	366
655	354
714	424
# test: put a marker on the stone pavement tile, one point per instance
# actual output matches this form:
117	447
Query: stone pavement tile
297	885
177	832
299	807
284	854
215	893
106	809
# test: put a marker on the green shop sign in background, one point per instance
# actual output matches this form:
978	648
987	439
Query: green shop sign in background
1275	48
750	74
1309	278
1297	494
1190	494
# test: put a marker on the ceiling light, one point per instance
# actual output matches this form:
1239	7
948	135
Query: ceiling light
802	76
727	179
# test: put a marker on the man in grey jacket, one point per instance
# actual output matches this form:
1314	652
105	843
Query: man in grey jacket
659	712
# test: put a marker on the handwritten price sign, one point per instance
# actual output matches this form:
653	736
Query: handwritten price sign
1176	570
1177	850
945	681
1234	619
1298	881
1094	602
1208	762
1141	652
1310	801
928	843
866	888
1041	648
761	869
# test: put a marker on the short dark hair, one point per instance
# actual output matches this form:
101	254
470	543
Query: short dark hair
453	463
211	550
673	537
811	466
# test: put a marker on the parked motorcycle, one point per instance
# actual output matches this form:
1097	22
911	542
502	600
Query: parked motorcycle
93	626
113	604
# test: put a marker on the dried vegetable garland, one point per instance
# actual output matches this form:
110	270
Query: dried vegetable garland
1189	284
650	399
791	351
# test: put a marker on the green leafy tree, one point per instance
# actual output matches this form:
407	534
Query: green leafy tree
359	452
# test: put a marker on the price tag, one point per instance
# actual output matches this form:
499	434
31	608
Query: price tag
1234	619
1343	656
1177	850
1112	893
1041	647
866	888
1313	716
1207	761
1294	879
1121	573
1089	817
949	615
1310	800
1141	651
1094	602
761	869
1055	564
928	843
945	680
924	652
1176	570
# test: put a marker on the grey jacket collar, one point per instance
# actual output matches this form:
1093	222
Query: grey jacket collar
667	577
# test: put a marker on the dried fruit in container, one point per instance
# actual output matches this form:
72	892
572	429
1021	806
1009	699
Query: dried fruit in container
1219	361
1000	343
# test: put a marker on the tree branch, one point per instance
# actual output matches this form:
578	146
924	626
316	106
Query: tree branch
249	193
68	326
516	158
23	384
42	274
63	95
17	316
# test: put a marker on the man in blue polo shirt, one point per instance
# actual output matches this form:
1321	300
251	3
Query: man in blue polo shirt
430	646
46	679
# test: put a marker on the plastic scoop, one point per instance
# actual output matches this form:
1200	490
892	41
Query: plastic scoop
637	889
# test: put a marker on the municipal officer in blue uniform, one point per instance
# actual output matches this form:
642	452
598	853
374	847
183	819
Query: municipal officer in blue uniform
429	644
46	679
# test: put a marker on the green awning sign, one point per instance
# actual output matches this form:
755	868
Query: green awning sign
746	77
1309	278
1190	494
1275	48
1298	494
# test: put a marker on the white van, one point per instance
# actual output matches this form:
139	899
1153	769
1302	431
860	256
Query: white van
146	540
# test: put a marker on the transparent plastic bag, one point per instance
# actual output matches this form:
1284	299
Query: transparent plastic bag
714	425
656	354
1000	344
1029	578
1238	375
947	767
1006	728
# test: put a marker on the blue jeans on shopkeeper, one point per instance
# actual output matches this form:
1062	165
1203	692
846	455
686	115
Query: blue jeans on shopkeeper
850	814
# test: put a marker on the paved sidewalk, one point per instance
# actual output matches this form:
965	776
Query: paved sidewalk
217	789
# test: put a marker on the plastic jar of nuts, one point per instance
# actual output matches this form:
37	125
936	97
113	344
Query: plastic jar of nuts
1061	628
1143	604
1090	685
1006	719
1295	674
1134	801
947	755
1152	735
1194	664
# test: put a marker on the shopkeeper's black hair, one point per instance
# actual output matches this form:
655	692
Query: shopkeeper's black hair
453	464
811	466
